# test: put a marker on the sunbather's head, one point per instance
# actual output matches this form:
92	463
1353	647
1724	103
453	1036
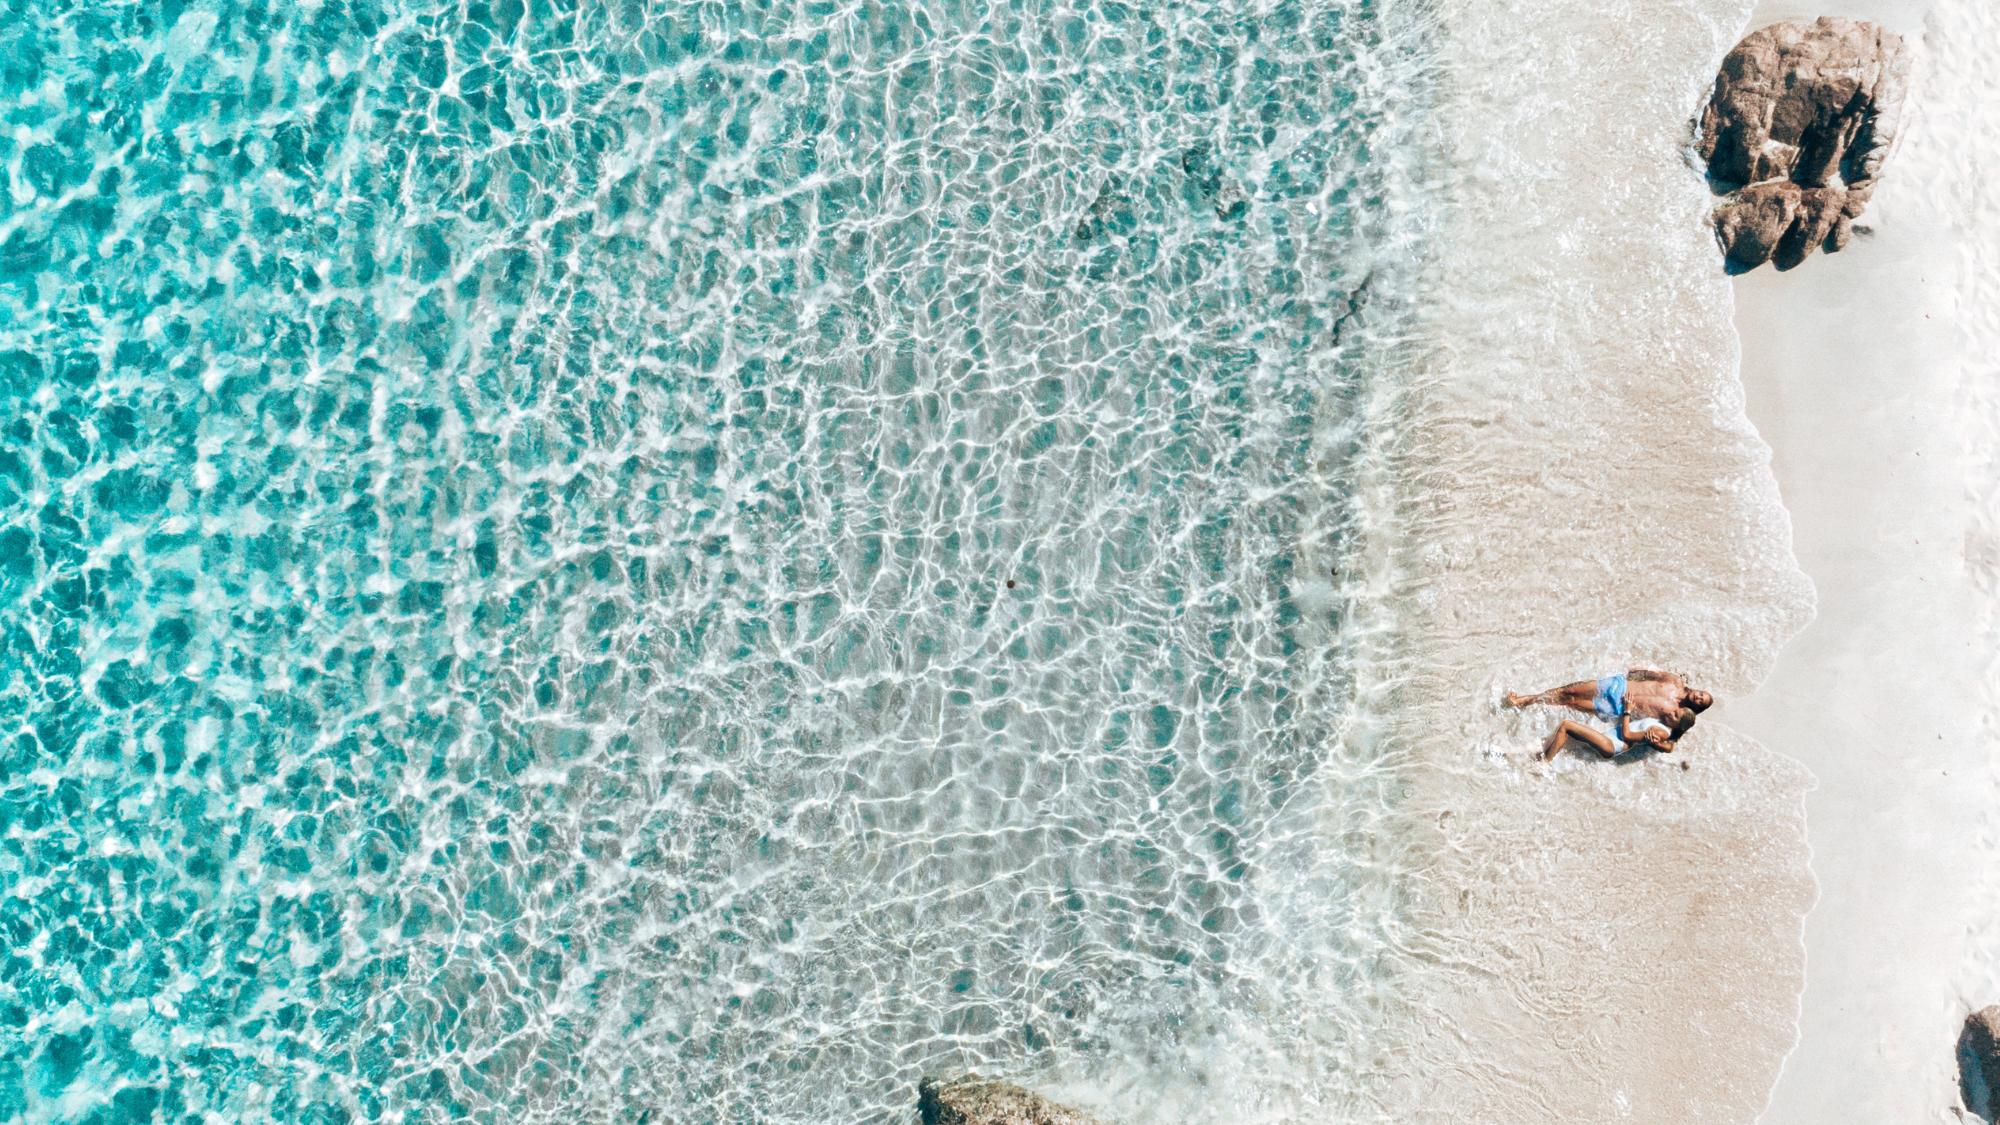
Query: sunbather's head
1680	722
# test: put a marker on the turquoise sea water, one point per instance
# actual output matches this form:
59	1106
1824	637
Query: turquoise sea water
672	562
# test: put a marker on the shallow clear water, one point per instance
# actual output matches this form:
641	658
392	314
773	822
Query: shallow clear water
676	561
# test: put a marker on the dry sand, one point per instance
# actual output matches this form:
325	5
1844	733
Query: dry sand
1852	370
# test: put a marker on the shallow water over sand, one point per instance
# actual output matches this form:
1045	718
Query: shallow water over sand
680	559
687	562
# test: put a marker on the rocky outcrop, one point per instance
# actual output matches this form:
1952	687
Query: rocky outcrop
1979	1062
1795	135
972	1100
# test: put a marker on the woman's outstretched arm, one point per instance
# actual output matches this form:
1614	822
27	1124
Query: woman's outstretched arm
1571	730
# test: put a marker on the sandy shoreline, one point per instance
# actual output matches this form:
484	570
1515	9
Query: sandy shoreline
1576	487
1851	371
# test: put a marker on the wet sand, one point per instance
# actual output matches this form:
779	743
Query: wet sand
1576	488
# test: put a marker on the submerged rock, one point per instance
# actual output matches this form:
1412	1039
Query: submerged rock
972	1100
1211	186
1979	1062
1795	134
1110	213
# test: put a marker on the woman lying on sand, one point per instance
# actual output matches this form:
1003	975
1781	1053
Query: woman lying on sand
1651	732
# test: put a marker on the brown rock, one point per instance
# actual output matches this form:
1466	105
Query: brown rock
1820	210
1755	220
1979	1062
1795	134
972	1100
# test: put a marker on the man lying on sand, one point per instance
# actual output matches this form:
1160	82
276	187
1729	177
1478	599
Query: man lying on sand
1640	692
1643	705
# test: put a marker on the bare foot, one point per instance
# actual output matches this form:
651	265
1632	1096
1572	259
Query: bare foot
1518	700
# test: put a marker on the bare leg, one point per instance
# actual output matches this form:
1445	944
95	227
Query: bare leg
1571	730
1579	696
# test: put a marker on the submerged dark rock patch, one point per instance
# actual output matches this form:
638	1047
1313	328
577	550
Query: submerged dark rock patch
1795	135
972	1100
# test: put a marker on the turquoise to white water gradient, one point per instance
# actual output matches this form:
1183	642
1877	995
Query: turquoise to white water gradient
671	562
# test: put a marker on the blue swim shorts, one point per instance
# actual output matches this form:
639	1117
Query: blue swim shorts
1610	702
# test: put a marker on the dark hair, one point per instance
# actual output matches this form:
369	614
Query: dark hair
1683	722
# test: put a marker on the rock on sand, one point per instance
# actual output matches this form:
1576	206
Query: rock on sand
1795	135
1979	1062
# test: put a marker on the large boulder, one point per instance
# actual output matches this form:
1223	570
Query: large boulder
1979	1062
1795	134
972	1100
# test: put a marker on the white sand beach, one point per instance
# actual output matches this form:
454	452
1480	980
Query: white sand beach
1855	371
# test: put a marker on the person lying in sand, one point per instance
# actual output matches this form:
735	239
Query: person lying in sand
1640	692
1627	731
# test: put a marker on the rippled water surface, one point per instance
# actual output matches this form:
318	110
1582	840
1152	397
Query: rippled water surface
674	562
